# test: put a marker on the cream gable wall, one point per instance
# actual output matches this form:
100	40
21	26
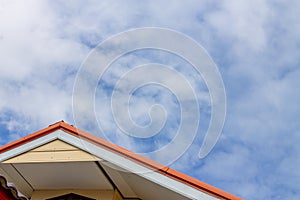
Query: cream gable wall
55	151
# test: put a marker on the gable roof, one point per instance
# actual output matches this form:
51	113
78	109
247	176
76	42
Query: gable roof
149	164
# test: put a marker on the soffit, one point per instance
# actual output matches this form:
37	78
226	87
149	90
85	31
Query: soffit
133	185
63	175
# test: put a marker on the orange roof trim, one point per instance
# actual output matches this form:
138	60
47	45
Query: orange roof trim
124	152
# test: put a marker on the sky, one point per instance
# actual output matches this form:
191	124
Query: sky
255	45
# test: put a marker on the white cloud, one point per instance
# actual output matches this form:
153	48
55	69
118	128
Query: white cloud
255	44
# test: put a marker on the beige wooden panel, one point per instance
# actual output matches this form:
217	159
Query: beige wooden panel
95	194
55	151
57	156
56	145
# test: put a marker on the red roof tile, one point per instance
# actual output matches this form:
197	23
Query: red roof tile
8	190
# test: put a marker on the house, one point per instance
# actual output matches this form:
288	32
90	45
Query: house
62	162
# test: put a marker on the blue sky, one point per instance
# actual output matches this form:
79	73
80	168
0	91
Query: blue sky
255	44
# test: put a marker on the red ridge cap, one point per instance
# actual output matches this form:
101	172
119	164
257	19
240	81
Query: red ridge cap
123	152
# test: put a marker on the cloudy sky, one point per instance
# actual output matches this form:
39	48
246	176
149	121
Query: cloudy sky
255	44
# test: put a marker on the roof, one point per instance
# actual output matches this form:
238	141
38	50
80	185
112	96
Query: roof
10	189
164	170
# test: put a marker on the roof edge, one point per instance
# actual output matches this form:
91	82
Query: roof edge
204	187
31	137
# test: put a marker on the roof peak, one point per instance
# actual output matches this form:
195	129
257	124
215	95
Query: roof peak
70	129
